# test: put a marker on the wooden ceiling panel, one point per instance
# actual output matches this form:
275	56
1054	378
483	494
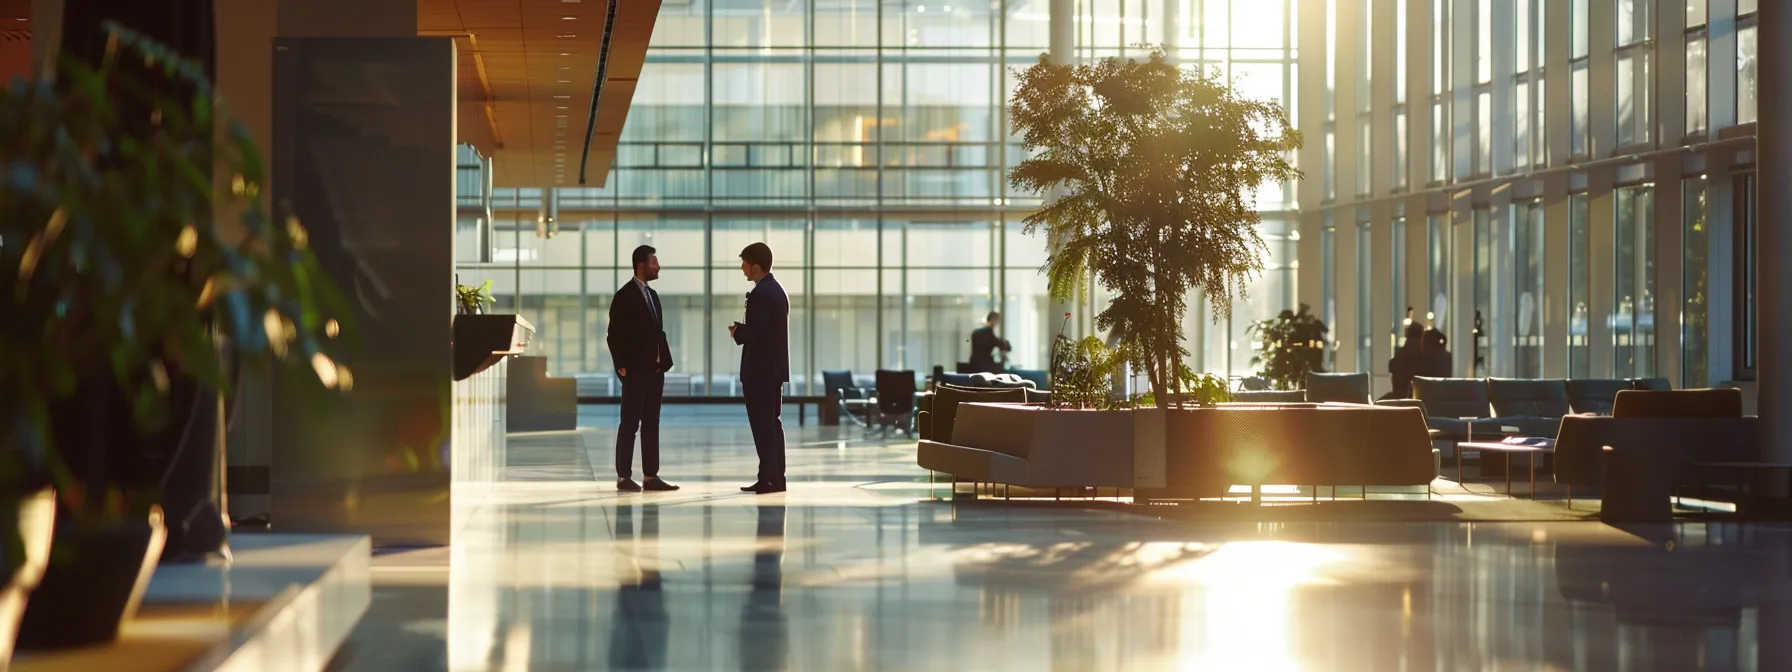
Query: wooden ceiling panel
612	111
540	59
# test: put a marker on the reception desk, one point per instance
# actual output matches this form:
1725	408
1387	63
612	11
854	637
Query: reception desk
483	348
540	402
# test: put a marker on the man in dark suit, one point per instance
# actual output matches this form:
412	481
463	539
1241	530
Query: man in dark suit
984	343
637	340
764	364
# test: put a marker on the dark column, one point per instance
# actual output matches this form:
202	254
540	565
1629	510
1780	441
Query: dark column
1773	244
184	460
364	154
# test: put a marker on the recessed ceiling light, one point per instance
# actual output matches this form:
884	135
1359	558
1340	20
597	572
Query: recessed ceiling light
560	107
563	81
565	53
565	35
562	97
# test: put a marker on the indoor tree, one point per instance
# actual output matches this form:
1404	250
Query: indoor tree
1154	168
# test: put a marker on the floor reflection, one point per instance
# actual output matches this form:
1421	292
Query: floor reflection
855	569
639	629
764	628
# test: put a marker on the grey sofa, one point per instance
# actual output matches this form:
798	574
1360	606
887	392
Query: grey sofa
1453	406
1198	451
1680	427
1341	388
1533	407
1032	446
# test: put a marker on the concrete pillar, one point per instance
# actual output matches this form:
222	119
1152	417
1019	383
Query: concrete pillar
1773	241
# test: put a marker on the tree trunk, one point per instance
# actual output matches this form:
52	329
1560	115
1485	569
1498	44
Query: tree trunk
186	459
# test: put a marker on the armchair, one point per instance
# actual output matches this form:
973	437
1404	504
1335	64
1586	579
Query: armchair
895	403
853	401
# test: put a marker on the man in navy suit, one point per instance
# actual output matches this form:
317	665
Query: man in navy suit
764	364
637	339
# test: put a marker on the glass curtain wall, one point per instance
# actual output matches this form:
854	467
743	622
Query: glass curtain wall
1695	262
867	144
1580	237
1365	299
1633	323
1527	262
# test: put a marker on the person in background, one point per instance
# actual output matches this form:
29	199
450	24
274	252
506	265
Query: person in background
1406	359
1434	357
637	340
985	342
764	364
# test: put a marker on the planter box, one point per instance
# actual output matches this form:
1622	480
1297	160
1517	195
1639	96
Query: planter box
1198	451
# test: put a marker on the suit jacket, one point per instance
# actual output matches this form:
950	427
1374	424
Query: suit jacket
765	337
637	339
983	344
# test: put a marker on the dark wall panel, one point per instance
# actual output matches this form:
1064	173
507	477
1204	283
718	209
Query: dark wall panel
364	155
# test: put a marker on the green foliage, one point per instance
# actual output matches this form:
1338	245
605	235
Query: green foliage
1200	389
1290	345
121	258
1083	372
1154	169
473	300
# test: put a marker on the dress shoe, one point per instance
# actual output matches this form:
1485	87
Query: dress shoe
766	488
754	487
654	484
627	485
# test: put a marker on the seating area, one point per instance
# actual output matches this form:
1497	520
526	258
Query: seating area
1189	453
1581	432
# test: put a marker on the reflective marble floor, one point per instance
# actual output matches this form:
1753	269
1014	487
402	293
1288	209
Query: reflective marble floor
856	568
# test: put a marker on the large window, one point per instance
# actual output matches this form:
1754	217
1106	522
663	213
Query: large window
1745	278
1400	309
1695	320
1747	97
1328	289
1697	107
1580	237
1484	313
1580	106
1633	323
1527	262
1365	299
1439	248
1635	44
868	144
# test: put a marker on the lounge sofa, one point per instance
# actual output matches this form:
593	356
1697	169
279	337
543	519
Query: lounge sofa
1321	444
1032	446
939	409
1680	427
1529	407
1533	407
1196	452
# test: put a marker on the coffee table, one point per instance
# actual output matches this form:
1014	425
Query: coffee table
1532	448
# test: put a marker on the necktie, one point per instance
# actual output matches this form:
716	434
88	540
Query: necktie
651	308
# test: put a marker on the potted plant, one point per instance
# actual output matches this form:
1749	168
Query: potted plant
128	272
472	300
1289	346
1153	169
